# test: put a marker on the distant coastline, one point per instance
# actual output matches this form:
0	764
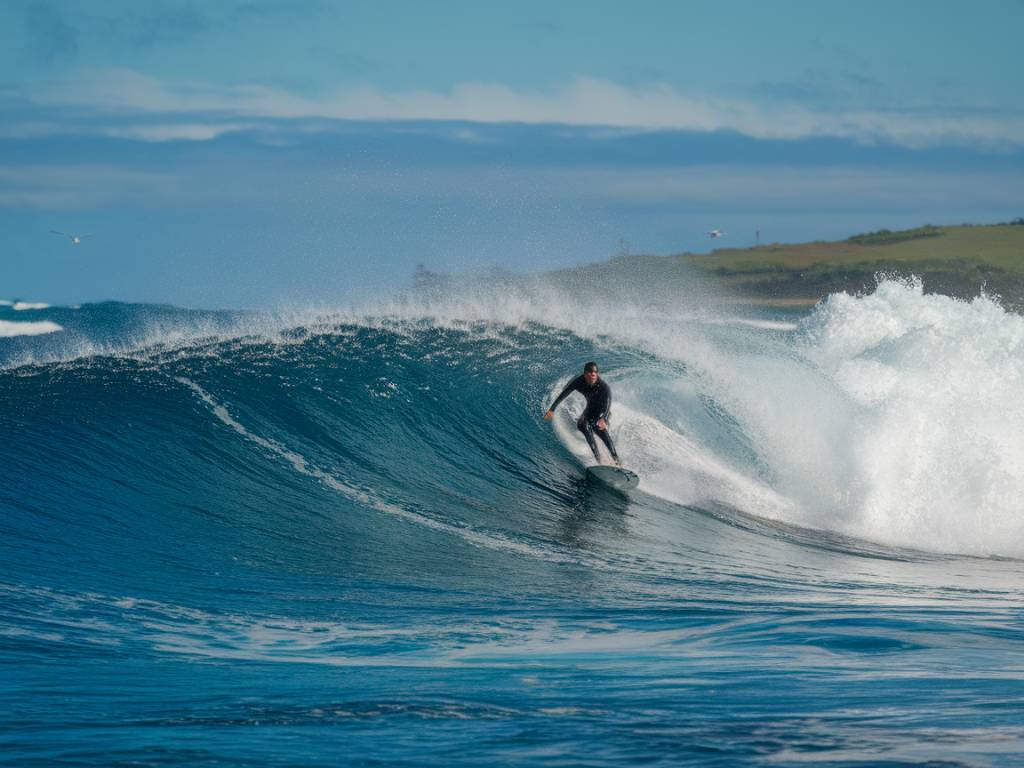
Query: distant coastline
959	261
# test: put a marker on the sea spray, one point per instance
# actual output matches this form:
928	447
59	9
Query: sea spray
892	416
937	386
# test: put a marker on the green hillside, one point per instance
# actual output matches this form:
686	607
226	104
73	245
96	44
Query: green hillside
955	260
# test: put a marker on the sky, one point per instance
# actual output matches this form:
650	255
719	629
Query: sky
259	153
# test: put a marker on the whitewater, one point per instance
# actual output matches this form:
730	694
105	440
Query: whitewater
346	536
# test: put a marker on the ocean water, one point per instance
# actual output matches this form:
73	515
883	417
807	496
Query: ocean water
348	538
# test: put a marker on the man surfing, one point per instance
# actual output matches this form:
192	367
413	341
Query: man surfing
597	411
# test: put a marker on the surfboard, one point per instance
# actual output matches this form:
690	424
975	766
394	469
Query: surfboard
617	477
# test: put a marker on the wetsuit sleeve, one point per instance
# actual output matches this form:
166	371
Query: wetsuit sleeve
572	386
604	402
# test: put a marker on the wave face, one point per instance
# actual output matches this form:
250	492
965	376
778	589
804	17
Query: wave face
245	538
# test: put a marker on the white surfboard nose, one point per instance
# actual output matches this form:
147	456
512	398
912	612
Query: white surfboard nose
617	477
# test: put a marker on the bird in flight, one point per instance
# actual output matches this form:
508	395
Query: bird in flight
75	239
715	233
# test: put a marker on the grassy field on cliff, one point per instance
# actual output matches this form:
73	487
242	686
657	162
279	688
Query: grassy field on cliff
960	261
957	260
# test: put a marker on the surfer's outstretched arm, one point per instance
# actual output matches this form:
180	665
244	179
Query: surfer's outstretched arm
571	387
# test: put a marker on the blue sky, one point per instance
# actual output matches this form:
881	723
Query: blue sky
264	152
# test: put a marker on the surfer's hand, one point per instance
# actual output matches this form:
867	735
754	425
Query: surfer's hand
601	425
548	415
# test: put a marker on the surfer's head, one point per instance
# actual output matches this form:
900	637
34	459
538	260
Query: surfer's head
590	372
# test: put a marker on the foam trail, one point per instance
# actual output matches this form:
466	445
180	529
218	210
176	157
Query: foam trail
299	463
675	467
188	631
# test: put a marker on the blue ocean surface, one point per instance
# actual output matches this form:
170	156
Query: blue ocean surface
349	538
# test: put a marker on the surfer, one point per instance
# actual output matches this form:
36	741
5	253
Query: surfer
597	411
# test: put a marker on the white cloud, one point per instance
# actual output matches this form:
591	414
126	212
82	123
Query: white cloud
582	102
157	132
136	130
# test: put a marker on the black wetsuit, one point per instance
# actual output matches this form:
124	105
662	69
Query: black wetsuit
599	406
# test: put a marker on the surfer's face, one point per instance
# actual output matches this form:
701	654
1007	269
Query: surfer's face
590	377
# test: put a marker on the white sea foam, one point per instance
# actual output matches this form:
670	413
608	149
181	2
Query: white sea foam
767	325
21	306
894	417
672	465
9	328
455	642
931	396
900	421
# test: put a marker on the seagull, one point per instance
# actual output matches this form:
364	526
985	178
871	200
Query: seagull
75	239
715	233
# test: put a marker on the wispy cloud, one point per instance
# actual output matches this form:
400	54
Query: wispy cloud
194	131
77	186
193	180
124	95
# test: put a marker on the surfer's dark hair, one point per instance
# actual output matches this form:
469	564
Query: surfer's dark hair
591	366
